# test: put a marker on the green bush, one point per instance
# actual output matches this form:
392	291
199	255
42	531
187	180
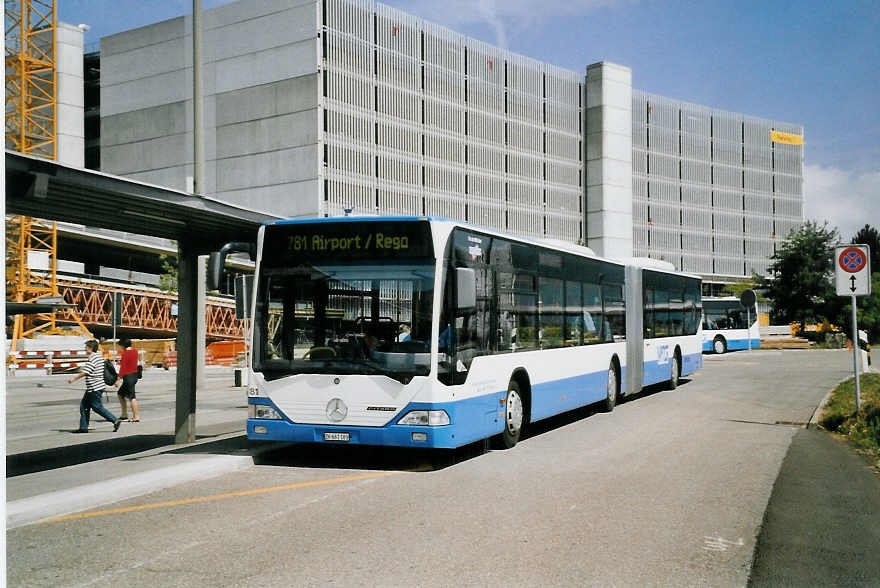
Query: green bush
839	413
832	422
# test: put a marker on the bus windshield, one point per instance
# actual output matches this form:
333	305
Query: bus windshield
344	319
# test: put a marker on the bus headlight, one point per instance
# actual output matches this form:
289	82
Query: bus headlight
263	411
430	418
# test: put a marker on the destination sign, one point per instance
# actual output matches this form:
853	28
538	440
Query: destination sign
293	244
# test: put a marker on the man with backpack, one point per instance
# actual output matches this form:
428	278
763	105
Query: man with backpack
93	372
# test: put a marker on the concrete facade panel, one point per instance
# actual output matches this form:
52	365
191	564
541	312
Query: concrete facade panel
290	200
268	66
594	171
241	11
70	120
253	34
68	58
129	158
268	134
143	62
618	121
69	34
70	150
155	33
264	169
147	123
146	92
613	198
611	146
169	177
69	89
267	100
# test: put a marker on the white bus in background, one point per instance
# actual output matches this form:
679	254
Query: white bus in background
426	332
725	325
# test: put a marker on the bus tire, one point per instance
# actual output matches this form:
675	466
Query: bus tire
673	371
514	417
611	388
719	345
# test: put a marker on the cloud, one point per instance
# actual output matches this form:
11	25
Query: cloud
846	199
500	16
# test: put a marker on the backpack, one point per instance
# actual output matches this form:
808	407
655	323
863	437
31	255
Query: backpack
109	372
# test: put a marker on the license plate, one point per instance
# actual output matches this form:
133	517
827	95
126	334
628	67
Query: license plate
336	437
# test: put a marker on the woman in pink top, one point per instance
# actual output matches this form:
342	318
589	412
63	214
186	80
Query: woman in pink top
128	375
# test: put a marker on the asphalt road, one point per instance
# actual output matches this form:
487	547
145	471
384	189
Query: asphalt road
669	490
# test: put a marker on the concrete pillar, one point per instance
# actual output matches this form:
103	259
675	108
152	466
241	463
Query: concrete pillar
202	329
187	333
608	130
70	125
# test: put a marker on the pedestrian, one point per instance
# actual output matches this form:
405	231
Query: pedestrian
93	371
128	377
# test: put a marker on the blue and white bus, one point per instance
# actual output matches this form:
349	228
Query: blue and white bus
727	326
426	332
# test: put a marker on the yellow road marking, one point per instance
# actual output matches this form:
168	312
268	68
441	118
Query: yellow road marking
101	513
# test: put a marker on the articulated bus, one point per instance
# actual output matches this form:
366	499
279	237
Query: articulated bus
727	326
426	332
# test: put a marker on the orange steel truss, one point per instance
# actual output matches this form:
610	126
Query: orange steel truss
31	98
146	310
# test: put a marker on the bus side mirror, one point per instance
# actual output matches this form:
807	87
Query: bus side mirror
466	288
244	288
217	260
215	270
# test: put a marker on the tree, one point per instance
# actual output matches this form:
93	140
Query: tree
869	310
168	278
738	287
801	280
869	236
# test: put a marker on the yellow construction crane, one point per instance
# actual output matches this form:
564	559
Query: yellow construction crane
31	99
31	128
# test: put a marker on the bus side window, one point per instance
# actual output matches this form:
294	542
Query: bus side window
592	313
614	325
574	315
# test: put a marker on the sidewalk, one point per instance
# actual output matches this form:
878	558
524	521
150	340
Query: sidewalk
822	523
52	472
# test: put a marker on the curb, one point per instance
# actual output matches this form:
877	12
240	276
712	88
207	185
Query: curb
817	413
63	502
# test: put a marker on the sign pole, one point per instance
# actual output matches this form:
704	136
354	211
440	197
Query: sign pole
852	276
855	339
749	327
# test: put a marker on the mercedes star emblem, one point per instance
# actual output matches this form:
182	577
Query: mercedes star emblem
336	410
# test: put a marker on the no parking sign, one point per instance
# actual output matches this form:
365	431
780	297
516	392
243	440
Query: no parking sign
852	268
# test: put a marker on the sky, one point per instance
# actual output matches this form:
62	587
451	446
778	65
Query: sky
810	62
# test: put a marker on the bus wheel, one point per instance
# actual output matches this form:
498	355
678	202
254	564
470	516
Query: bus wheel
611	389
513	417
673	373
719	345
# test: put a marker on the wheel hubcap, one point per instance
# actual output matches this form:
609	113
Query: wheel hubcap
612	385
719	347
514	412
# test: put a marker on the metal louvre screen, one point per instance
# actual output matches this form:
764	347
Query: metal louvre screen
736	190
418	119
